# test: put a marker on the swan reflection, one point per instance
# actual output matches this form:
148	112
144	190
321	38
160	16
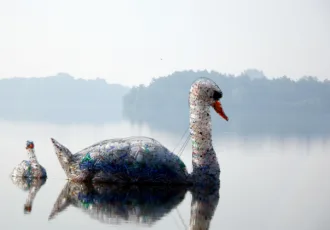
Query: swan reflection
114	204
32	185
141	205
203	205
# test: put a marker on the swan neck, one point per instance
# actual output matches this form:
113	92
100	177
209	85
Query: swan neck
32	156
200	130
205	164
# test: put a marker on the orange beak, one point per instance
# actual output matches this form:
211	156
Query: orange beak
218	108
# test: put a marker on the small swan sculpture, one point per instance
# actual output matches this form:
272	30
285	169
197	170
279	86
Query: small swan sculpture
30	168
145	160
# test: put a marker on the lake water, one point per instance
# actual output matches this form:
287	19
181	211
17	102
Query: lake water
267	182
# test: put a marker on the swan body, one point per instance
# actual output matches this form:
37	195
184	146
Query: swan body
29	168
134	159
145	160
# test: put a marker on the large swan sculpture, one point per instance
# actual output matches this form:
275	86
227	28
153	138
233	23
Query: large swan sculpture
144	160
30	168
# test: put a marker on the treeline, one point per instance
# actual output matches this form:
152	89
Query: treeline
252	102
60	98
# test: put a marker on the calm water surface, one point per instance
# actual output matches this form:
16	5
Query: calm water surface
267	182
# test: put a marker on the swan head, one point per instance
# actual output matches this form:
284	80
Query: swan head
29	145
207	92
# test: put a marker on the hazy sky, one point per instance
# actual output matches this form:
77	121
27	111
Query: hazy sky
124	41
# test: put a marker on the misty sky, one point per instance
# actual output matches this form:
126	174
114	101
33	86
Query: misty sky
124	41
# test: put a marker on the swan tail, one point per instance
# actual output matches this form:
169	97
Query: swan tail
64	155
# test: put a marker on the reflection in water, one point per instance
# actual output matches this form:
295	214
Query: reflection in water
32	185
203	205
115	204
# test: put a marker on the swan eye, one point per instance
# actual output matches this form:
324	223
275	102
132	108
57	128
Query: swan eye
217	95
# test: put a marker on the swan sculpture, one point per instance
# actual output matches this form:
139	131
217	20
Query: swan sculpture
30	168
145	160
